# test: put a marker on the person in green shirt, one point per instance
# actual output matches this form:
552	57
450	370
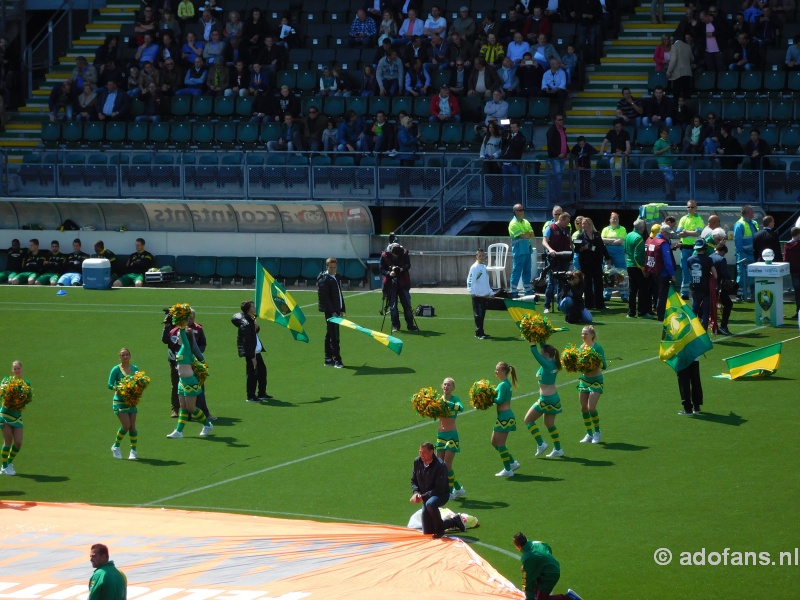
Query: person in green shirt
689	229
663	151
613	237
107	582
521	233
549	403
639	295
447	443
540	570
505	417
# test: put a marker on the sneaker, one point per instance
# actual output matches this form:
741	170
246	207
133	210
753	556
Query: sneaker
514	465
395	329
212	417
546	311
573	596
596	437
460	525
175	434
412	328
504	473
483	336
173	414
697	411
555	453
116	452
133	455
688	413
724	331
9	470
540	449
265	397
328	363
206	430
631	316
253	400
649	315
587	438
338	365
437	536
458	493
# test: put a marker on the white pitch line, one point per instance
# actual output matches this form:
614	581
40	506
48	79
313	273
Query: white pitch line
359	443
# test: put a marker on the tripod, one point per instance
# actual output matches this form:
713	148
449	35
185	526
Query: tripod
390	298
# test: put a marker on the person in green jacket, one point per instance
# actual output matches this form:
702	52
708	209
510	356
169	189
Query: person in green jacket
540	570
640	300
107	582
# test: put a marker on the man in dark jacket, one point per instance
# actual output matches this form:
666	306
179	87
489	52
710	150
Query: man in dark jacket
766	238
395	265
331	302
729	153
250	348
429	485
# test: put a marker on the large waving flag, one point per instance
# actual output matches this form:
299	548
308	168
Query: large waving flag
273	303
394	344
518	309
760	362
683	338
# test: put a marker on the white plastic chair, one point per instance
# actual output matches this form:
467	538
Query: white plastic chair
496	266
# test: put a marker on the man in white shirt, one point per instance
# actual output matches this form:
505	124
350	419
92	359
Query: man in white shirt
517	49
554	85
480	290
435	23
496	108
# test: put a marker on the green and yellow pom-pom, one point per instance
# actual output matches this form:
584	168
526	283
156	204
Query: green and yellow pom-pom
131	388
15	394
581	359
590	360
428	403
482	394
180	314
570	358
536	328
200	371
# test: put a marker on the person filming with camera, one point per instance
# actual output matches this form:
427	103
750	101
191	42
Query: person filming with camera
395	266
570	297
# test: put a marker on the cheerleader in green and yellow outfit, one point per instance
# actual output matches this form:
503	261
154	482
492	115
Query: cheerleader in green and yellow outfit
505	418
447	443
188	385
125	413
15	393
590	387
549	403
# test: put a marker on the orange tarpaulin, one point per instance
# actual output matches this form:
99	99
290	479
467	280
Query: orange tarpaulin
186	555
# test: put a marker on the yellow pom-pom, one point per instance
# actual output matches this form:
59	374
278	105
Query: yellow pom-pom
200	371
428	403
570	358
180	314
131	388
15	394
482	394
536	328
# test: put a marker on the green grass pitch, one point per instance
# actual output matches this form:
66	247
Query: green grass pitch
338	444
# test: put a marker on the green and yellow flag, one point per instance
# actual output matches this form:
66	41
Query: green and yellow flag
683	338
273	303
518	309
393	343
761	362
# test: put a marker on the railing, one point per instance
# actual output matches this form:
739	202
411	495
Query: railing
45	36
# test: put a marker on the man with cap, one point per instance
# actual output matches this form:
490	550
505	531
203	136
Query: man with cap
701	269
660	266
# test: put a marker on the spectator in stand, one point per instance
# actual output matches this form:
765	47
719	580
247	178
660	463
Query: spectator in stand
262	104
107	51
543	52
487	26
513	24
569	62
459	78
492	51
711	134
508	77
112	104
464	26
554	86
330	137
444	107
110	72
169	48
327	83
369	86
630	109
766	29
683	112
792	61
530	75
153	105
415	50
517	48
690	24
460	49
238	80
511	150
434	24
234	28
315	125
482	79
387	28
259	80
214	50
186	11
679	69
170	78
291	137
272	56
390	74
383	50
659	109
729	153
287	36
496	109
582	152
132	82
714	42
619	142
589	15
351	134
147	75
83	73
663	53
253	33
217	79
490	150
194	82
746	55
343	86
412	26
209	23
693	137
84	108
191	49
538	23
148	51
362	30
557	154
284	103
169	23
757	150
145	24
417	81
381	134
439	53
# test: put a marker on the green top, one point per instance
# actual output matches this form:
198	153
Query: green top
116	376
547	371
634	250
689	223
614	232
503	392
454	406
599	349
516	227
108	583
537	560
665	159
184	355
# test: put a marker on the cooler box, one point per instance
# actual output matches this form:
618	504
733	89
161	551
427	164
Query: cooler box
374	273
96	274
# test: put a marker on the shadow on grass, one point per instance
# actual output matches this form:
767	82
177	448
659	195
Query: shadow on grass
7	493
625	447
43	478
729	419
274	402
466	503
587	462
367	370
420	333
521	477
231	442
323	400
157	462
225	421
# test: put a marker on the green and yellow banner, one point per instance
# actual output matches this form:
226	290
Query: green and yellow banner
683	338
273	303
761	362
393	343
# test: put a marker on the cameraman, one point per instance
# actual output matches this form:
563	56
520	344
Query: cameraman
557	241
570	297
395	265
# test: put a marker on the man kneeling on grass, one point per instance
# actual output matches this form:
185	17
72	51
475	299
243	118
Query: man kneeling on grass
540	570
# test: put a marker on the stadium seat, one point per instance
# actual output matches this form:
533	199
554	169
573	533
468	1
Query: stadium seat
207	170
379	103
202	134
286	78
793	83
72	133
728	82
790	139
164	170
158	135
180	133
31	170
365	174
452	135
758	110
224	106
98	171
656	78
270	132
358	104
354	270
402	103
705	82
244	106
517	107
734	110
320	169
334	106
137	108
422	107
165	260
297	170
247	134
51	134
230	170
202	106
348	58
307	81
322	57
311	268
430	134
343	172
180	106
138	171
472	108
205	267
74	169
539	109
647	136
299	58
775	81
291	268
770	134
781	111
93	133
440	77
750	82
225	134
136	135
275	171
226	268
271	264
709	106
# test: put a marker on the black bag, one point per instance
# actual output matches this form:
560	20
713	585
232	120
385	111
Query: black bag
540	283
425	310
